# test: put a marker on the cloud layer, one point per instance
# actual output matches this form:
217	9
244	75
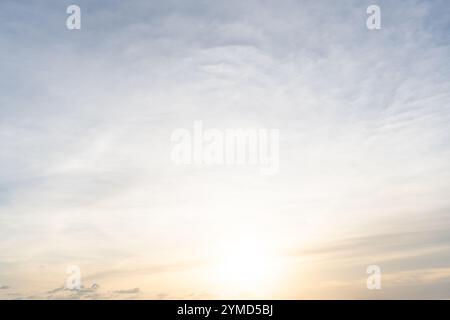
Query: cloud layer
86	118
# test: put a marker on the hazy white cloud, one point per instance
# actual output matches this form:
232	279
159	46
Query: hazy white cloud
86	118
128	291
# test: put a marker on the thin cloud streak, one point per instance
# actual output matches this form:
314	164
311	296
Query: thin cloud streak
86	119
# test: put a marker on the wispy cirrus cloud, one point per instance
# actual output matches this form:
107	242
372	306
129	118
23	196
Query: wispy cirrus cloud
86	118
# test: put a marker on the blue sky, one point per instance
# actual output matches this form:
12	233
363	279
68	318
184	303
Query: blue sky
85	124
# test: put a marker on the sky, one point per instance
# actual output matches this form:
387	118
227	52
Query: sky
86	177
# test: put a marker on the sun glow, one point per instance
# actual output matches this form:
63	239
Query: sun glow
246	267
